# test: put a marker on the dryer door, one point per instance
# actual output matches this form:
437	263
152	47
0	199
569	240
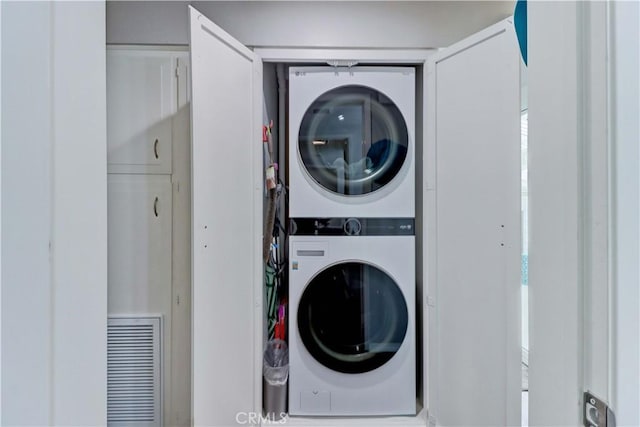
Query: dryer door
353	140
352	317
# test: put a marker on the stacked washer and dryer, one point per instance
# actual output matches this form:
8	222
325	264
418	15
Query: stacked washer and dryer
352	339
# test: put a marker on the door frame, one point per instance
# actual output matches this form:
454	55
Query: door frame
571	251
624	51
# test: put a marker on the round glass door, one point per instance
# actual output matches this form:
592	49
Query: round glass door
352	317
353	140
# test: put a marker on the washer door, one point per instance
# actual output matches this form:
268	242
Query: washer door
352	317
352	141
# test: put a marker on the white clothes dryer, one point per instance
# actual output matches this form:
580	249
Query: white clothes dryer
352	348
351	142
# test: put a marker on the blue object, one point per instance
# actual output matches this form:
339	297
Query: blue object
520	23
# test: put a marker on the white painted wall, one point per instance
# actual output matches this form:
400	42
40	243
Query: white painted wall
54	222
555	303
79	213
410	24
26	219
625	49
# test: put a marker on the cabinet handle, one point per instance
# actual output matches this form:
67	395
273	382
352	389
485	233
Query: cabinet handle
155	207
155	148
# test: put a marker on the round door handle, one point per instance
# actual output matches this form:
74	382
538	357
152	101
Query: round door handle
155	207
155	148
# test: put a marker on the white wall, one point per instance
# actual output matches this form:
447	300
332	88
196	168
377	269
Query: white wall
54	219
419	24
79	213
625	49
26	223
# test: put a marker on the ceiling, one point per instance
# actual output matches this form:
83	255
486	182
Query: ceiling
353	24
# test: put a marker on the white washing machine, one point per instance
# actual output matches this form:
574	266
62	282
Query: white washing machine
351	142
352	348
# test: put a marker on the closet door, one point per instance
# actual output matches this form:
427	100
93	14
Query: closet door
226	223
472	162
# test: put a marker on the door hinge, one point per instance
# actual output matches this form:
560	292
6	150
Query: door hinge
341	63
175	183
596	413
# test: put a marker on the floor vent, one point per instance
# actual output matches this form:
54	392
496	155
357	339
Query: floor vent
134	371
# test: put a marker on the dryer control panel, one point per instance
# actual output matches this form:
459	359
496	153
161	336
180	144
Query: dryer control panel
352	227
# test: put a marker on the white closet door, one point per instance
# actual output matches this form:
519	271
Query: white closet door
473	135
227	187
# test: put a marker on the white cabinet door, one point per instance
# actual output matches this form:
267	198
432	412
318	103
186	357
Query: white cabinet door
141	100
140	215
472	161
226	223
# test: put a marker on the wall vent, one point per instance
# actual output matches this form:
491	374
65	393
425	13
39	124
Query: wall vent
134	382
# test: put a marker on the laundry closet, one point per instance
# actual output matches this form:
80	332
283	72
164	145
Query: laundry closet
425	206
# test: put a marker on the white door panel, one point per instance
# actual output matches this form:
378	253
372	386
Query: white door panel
474	128
226	223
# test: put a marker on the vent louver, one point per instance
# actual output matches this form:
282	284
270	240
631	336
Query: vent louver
133	371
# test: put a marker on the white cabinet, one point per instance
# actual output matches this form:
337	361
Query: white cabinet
468	209
142	97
